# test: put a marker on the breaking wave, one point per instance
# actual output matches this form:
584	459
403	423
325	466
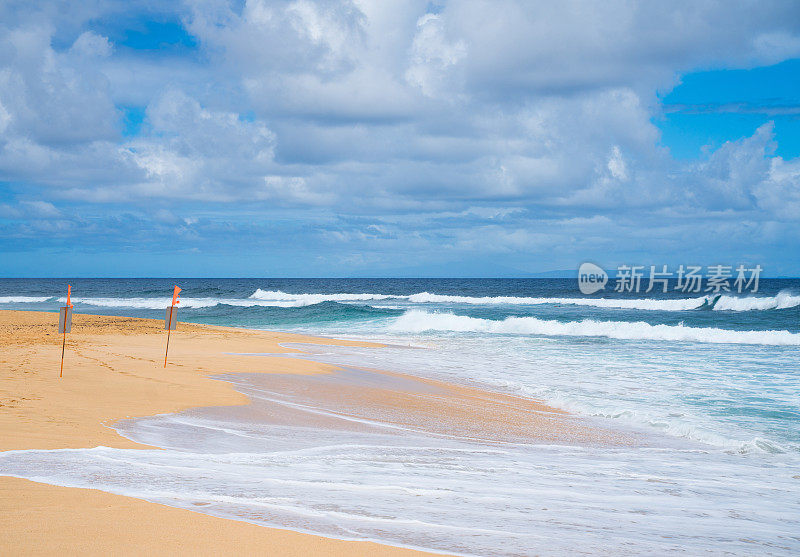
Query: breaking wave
23	299
643	304
782	300
418	321
277	298
195	303
309	299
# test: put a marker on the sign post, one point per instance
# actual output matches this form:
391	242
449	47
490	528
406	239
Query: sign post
171	318
65	326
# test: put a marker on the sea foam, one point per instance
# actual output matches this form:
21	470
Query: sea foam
23	299
782	300
725	302
311	299
277	298
418	321
195	303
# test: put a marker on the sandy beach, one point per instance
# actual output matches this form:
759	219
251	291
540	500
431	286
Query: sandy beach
113	371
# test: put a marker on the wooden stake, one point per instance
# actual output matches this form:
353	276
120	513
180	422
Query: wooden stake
169	330
65	313
63	344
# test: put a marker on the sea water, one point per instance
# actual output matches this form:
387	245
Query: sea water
715	391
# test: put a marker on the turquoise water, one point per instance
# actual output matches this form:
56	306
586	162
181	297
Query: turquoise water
715	391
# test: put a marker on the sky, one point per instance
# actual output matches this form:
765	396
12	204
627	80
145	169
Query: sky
382	138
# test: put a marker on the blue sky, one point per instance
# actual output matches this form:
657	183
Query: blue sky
302	138
711	107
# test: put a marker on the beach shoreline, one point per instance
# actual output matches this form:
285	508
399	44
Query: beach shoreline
112	372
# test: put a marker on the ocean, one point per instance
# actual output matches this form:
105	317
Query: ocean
712	383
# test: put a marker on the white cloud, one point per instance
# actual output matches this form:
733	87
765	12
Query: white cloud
616	164
726	179
293	189
192	152
49	97
91	44
433	57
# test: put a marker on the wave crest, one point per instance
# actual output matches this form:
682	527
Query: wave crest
23	299
276	298
194	303
782	300
310	299
418	321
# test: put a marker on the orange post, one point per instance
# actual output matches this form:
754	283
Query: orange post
64	339
175	292
169	330
63	346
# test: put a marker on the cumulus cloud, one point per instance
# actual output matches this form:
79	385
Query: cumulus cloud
433	57
779	192
190	151
53	98
91	44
